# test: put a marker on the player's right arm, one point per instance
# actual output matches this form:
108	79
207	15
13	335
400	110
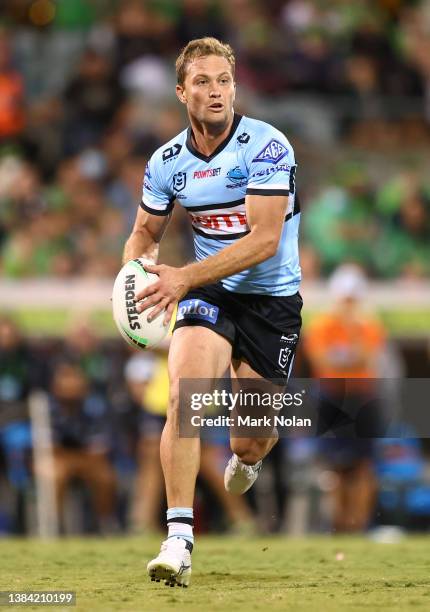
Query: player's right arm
144	240
153	215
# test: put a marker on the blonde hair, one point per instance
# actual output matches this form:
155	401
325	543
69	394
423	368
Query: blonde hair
201	47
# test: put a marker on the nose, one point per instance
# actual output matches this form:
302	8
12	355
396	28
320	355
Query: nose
214	93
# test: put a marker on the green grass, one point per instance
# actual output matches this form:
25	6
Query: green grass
229	574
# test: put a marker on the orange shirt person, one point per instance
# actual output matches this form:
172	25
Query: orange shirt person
343	346
346	341
11	94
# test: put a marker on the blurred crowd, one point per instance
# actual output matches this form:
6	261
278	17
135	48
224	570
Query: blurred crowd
87	94
105	406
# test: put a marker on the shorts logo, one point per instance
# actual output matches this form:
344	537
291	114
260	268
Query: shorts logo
291	338
286	352
179	181
197	309
284	356
272	153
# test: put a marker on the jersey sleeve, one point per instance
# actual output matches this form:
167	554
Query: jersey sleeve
156	198
271	164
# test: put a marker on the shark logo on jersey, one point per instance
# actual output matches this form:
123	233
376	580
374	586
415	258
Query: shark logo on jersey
237	178
272	153
179	181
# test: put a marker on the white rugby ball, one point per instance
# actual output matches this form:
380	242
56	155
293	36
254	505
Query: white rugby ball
132	325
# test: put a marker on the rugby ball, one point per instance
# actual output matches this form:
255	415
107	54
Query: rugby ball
132	325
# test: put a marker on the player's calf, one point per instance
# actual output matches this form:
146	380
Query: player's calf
252	450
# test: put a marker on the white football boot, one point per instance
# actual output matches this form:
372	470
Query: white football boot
173	564
238	477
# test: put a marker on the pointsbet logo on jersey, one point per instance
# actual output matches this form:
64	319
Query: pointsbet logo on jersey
273	152
202	174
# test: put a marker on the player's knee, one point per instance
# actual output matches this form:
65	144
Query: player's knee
249	450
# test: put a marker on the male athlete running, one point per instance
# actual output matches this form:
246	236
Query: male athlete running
235	177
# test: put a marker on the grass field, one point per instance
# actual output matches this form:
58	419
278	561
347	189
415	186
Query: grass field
228	574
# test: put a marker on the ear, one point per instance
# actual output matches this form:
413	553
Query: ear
181	94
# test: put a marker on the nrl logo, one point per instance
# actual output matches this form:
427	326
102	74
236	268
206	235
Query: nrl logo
179	181
284	356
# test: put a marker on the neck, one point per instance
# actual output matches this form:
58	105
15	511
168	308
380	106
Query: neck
206	138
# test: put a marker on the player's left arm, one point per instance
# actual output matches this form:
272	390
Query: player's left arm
265	215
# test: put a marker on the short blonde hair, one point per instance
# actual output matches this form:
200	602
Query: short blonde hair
201	47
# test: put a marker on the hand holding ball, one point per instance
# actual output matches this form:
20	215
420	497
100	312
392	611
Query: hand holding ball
132	325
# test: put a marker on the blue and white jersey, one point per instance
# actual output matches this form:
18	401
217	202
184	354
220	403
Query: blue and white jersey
254	159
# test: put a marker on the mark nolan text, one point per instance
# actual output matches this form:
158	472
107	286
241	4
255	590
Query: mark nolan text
267	421
247	421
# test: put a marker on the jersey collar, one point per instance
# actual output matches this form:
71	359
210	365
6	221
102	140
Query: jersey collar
207	158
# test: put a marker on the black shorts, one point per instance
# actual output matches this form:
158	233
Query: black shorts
262	329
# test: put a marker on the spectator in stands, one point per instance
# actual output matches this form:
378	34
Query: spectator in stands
81	423
140	31
404	490
90	102
345	344
403	247
17	374
83	346
43	248
340	223
197	18
12	117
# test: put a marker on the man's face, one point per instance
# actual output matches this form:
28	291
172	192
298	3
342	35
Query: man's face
208	90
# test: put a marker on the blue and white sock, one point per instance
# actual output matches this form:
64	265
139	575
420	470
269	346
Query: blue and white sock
180	525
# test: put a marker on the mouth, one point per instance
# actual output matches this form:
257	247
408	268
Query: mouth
216	106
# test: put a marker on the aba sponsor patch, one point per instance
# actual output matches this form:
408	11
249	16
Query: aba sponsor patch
271	153
197	309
